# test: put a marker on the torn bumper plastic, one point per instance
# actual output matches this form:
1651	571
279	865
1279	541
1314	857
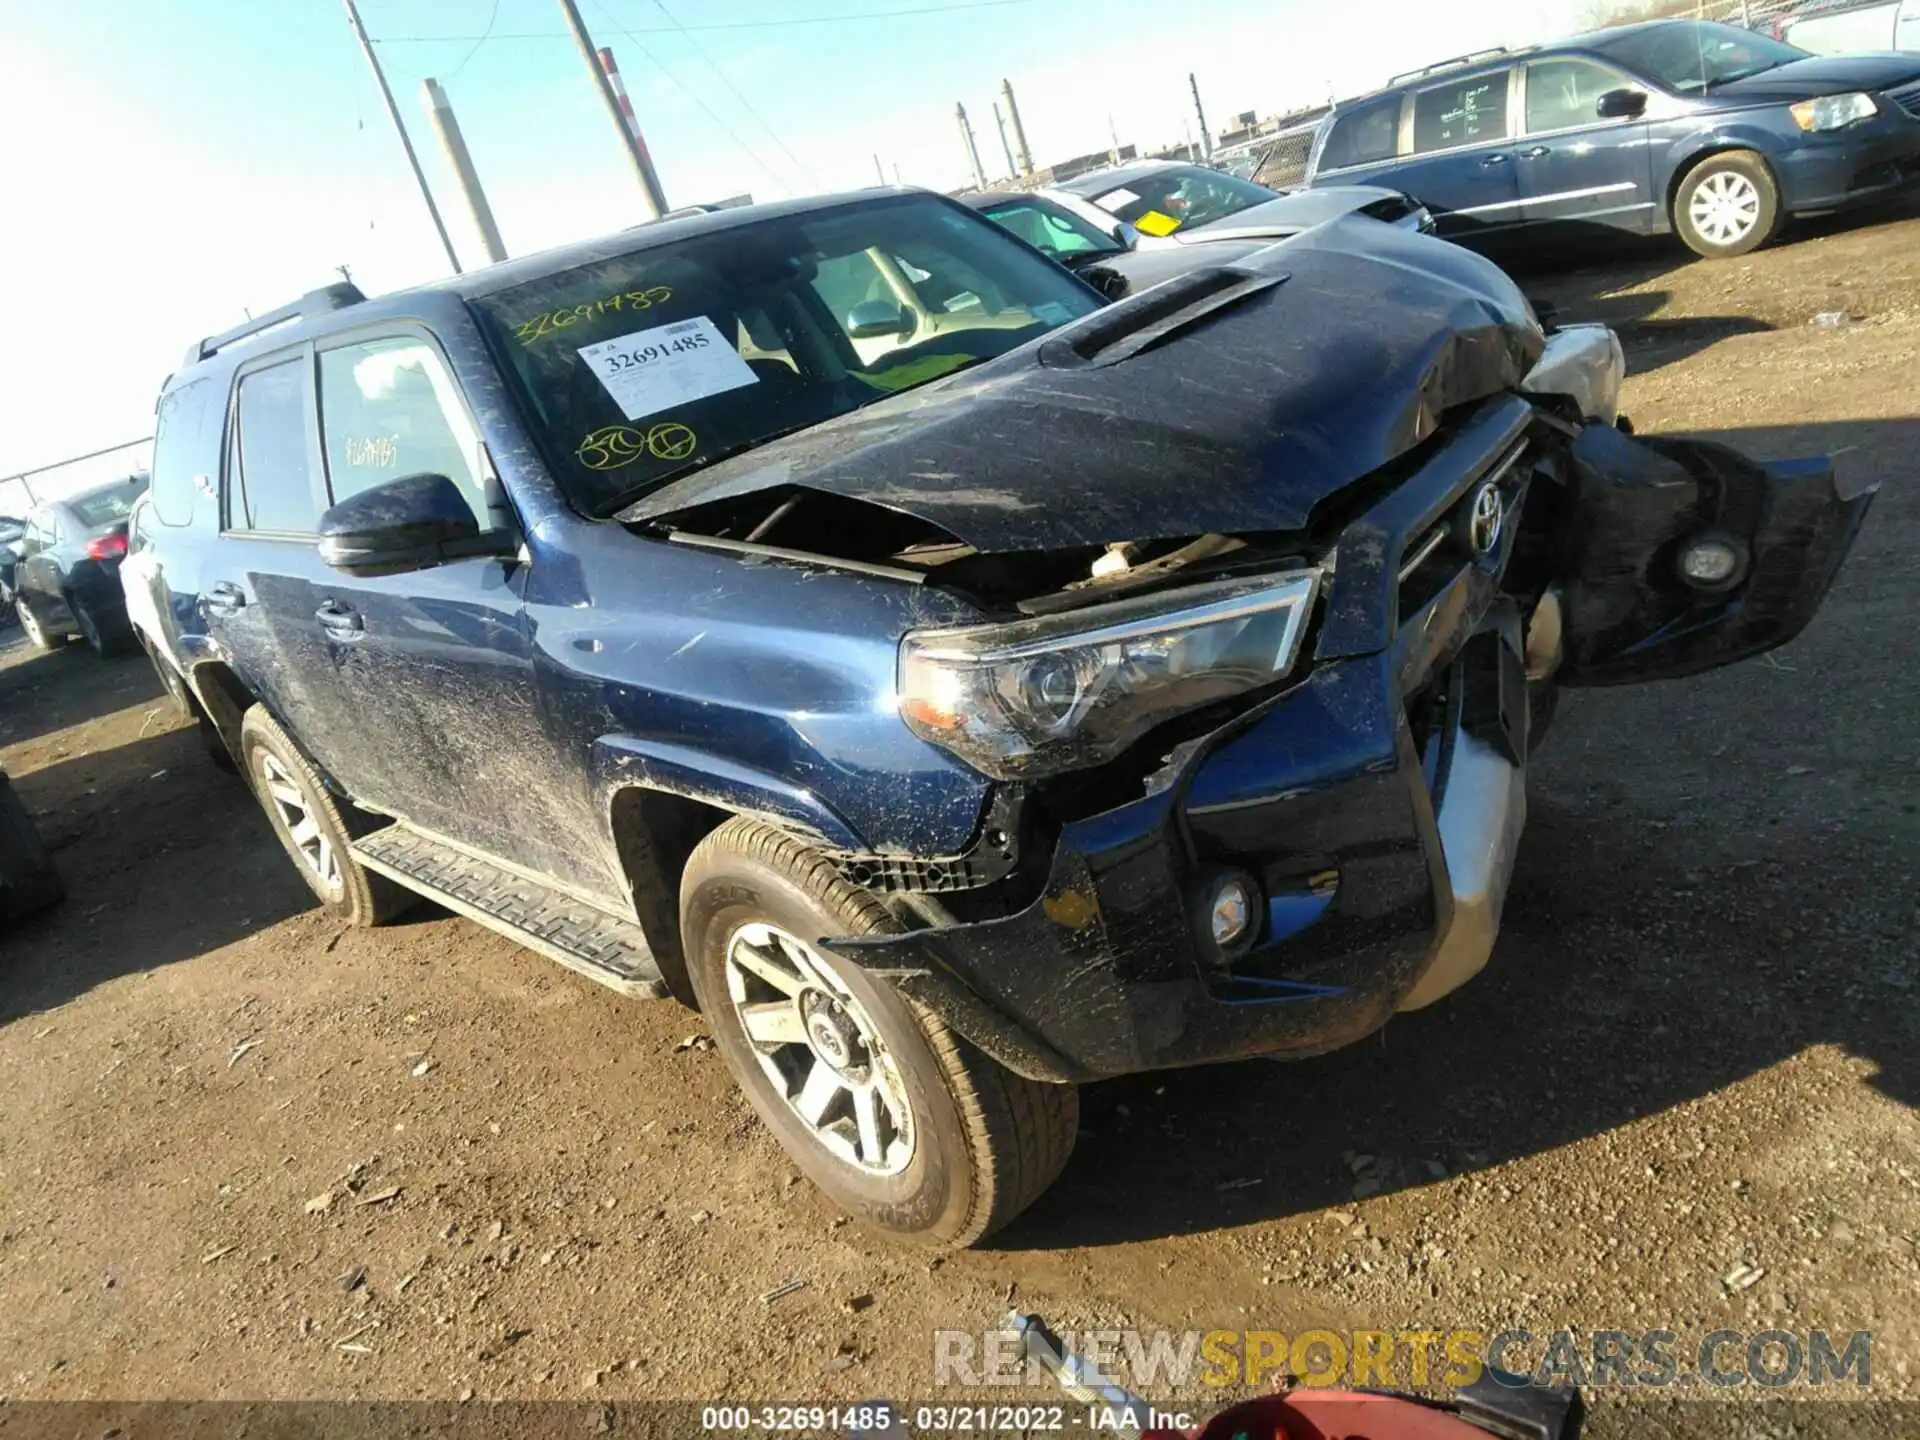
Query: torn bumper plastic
1639	504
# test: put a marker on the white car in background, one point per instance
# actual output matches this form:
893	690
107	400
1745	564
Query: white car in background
1852	28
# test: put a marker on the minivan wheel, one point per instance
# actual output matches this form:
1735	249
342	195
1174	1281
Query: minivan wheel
1727	205
30	623
311	828
899	1120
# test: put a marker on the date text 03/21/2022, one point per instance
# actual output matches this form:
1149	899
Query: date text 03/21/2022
878	1419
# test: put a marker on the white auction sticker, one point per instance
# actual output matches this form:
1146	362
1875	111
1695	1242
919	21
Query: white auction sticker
1115	200
654	370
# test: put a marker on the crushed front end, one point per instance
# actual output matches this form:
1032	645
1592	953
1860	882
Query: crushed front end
1281	878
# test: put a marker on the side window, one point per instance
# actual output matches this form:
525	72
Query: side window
389	408
1563	93
1363	136
1465	112
185	447
269	478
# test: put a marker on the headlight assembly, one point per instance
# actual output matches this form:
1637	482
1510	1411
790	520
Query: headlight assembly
1064	691
1833	112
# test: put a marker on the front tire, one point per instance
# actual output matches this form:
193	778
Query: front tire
30	623
899	1120
311	828
1727	205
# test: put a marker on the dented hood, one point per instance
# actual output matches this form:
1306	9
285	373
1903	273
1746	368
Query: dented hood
1228	400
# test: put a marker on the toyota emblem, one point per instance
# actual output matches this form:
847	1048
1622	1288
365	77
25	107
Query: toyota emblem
1484	521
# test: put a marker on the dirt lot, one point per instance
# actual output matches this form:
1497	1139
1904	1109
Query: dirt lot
1698	1044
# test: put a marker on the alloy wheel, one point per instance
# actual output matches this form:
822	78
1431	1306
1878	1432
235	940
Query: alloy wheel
820	1049
30	623
310	843
1725	207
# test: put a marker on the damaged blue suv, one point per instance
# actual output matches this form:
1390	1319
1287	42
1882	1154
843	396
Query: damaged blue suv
837	616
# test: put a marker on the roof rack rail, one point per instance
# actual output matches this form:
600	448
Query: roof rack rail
328	298
1472	57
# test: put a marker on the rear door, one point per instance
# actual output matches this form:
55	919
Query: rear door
1573	165
1461	166
256	586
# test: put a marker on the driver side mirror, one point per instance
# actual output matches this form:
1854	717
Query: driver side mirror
872	319
412	523
1621	105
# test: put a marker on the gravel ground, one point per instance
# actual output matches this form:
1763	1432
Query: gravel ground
247	1155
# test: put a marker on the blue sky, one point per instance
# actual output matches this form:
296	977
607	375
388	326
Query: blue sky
170	163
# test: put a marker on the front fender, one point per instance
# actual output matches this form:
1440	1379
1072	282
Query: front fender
620	761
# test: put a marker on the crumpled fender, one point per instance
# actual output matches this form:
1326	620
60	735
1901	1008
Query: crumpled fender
1636	504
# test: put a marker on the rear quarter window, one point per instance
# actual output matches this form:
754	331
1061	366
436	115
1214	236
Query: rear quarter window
186	447
1364	135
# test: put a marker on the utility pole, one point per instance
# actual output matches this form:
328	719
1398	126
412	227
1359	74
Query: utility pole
612	71
650	195
1206	135
973	150
878	168
1019	129
400	129
440	112
1005	148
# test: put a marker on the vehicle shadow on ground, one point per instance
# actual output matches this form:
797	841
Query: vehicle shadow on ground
42	691
1716	876
164	858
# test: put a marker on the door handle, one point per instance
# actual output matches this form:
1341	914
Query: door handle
1536	152
225	598
341	621
1490	161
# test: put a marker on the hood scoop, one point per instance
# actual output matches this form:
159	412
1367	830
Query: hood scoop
1122	331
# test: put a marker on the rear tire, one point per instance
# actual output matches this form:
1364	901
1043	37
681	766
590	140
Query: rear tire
915	1132
109	635
1727	205
311	828
28	881
30	623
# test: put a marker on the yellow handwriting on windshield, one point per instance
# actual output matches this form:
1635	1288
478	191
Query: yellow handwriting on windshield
551	322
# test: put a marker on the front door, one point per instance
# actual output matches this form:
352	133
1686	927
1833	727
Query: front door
1461	165
1573	165
440	721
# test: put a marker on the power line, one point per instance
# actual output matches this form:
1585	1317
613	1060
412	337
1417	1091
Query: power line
692	95
720	25
493	17
745	103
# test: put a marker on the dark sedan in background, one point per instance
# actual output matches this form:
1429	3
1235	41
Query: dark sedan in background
67	580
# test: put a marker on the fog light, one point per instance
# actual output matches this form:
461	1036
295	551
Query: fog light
1713	561
1229	911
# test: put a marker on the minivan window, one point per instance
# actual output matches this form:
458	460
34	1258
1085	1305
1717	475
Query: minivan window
1692	56
388	408
636	368
1363	136
1565	92
185	447
1464	112
269	479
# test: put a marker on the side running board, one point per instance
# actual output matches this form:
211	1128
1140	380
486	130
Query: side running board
581	936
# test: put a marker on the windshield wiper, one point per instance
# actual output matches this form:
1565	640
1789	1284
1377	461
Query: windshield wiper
1743	74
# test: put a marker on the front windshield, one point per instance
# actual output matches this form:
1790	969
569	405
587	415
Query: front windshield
637	368
1690	57
1052	229
1182	198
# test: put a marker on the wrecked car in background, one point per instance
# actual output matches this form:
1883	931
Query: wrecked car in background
833	614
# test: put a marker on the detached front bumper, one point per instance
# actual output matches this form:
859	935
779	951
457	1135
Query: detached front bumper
1378	804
